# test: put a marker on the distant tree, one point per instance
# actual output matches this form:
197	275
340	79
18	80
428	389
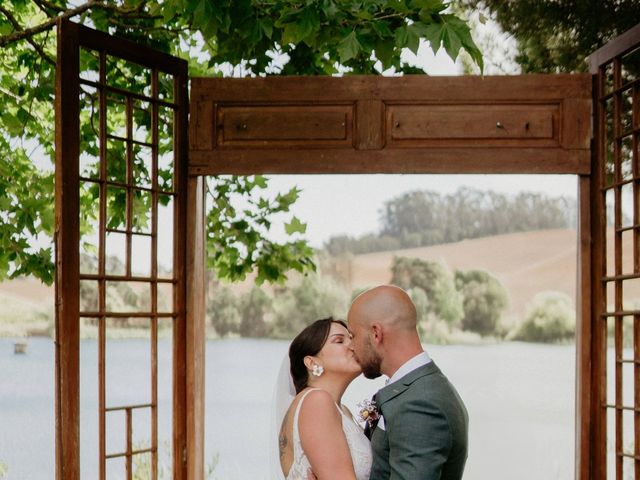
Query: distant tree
551	318
444	301
484	300
255	306
313	298
557	35
423	218
421	301
222	310
414	212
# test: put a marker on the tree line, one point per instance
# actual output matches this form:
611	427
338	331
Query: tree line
423	217
449	306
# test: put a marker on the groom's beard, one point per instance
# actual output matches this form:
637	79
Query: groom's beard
371	364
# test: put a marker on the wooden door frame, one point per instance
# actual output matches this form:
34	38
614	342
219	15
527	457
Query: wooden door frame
188	306
225	111
605	65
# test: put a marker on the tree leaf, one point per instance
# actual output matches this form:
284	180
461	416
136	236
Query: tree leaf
295	226
349	47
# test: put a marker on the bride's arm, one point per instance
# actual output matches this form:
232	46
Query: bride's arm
322	437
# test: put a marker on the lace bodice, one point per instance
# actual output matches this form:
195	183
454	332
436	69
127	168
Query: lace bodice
358	445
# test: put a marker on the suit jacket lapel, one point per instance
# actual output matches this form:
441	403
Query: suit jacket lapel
396	388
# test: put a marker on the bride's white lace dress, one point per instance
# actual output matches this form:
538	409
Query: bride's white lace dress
358	445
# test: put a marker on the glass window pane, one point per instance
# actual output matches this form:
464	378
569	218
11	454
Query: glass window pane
89	417
165	298
124	297
89	296
142	166
141	214
128	362
115	254
142	121
165	149
115	430
116	161
165	236
89	132
141	255
116	115
89	65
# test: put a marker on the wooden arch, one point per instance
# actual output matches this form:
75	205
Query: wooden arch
414	124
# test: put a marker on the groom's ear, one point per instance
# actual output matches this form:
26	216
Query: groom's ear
376	333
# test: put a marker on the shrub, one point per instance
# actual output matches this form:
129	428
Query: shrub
313	298
550	318
484	300
255	306
223	311
421	301
444	301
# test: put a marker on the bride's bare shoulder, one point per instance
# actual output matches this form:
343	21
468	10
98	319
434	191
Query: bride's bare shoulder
319	403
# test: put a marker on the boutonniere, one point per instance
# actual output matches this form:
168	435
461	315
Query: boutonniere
368	412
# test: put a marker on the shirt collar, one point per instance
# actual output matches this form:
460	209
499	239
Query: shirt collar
409	366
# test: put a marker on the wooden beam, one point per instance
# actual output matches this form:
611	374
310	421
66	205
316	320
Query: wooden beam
584	322
618	46
67	241
181	406
196	327
409	88
406	160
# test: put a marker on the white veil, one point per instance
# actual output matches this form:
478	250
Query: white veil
283	394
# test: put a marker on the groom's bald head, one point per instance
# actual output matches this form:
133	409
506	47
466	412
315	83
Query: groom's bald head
386	305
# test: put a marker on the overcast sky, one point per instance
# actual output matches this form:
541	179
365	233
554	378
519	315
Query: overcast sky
350	204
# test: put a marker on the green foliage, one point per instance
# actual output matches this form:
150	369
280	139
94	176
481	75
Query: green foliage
250	37
313	298
319	36
3	470
558	35
423	218
551	318
239	221
255	307
444	301
223	311
484	301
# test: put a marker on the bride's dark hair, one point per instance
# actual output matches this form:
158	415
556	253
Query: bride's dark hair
308	342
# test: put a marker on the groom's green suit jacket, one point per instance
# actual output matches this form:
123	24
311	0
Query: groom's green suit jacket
426	426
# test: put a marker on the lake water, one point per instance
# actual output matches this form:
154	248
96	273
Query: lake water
520	399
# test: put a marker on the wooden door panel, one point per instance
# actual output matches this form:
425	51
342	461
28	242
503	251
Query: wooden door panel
487	124
287	125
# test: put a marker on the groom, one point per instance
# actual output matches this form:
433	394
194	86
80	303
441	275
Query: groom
422	433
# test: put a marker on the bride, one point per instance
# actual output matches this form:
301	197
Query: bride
318	434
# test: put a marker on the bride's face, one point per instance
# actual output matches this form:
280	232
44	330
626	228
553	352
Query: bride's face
337	353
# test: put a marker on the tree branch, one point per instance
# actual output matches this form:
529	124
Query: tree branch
48	7
21	34
29	39
26	33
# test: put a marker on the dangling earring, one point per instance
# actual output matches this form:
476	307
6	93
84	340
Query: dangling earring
317	370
